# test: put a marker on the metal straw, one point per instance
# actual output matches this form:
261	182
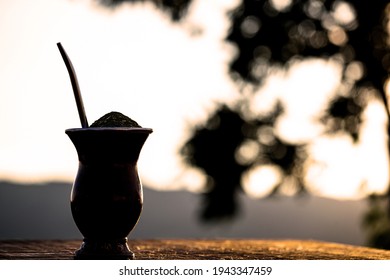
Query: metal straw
75	86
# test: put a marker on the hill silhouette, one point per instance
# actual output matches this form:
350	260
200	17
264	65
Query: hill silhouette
42	211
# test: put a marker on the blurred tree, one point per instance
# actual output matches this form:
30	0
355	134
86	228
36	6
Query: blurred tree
215	148
353	34
212	148
176	8
376	222
266	33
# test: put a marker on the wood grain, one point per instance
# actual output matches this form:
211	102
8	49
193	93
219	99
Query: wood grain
202	250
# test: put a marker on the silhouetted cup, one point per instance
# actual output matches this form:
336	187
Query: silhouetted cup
107	197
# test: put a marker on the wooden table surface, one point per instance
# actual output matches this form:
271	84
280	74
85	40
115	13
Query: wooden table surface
184	249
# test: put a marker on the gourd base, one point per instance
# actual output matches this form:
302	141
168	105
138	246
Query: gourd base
104	250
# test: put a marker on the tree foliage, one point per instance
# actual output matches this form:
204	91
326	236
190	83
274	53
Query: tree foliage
176	8
351	33
266	33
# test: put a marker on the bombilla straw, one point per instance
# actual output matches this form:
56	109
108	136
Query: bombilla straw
75	86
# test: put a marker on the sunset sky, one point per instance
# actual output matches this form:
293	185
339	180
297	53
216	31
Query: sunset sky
167	76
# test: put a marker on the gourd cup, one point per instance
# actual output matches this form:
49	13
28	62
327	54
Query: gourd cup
107	197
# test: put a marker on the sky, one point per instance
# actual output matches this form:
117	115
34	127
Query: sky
132	60
167	76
